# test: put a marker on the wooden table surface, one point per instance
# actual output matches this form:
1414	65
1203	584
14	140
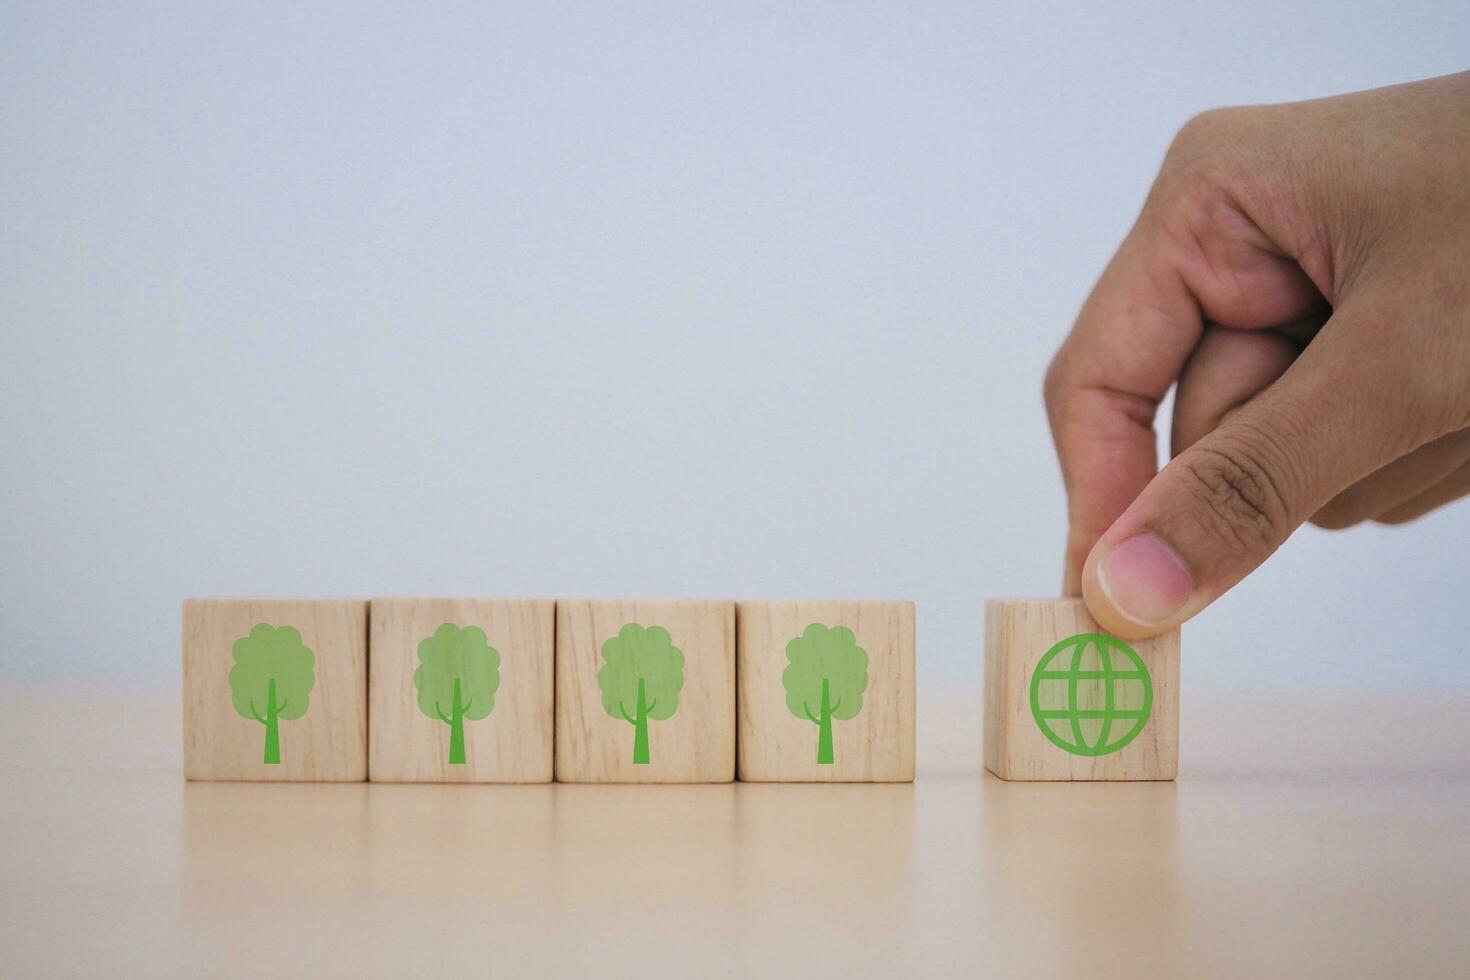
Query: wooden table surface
1327	837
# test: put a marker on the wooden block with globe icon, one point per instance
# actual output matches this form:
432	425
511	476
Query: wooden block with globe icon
1065	701
826	691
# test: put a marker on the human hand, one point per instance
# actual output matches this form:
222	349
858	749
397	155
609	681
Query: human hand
1302	272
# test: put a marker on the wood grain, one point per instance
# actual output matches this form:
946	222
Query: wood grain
777	746
1018	633
327	744
696	744
512	744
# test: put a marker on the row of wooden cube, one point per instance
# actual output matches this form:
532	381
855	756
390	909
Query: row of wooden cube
365	717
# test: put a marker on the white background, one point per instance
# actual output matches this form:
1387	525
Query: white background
687	299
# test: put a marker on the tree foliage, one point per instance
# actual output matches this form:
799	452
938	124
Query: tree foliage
641	654
831	654
461	654
269	653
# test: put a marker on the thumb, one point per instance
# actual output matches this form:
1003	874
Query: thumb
1224	505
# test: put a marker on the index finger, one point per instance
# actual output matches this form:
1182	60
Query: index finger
1103	389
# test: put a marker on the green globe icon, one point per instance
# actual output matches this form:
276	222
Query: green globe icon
1091	694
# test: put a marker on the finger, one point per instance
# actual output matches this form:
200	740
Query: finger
1226	370
1446	491
1223	506
1399	482
1130	341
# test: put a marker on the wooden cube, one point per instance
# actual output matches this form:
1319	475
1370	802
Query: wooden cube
275	689
1065	701
645	691
460	690
826	691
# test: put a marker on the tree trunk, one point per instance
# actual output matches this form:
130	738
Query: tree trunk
456	729
824	728
640	730
272	727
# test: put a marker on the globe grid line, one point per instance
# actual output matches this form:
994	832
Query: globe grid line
1061	675
1110	692
1072	680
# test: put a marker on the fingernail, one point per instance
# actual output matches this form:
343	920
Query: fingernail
1144	580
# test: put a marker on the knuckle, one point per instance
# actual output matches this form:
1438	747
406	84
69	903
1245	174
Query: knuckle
1053	384
1348	509
1203	134
1336	516
1213	155
1203	126
1058	387
1241	500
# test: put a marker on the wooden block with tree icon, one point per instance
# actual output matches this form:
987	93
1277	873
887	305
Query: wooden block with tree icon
826	691
1064	701
460	690
275	689
645	691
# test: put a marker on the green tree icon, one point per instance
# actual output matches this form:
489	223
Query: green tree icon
825	679
457	677
271	681
641	680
